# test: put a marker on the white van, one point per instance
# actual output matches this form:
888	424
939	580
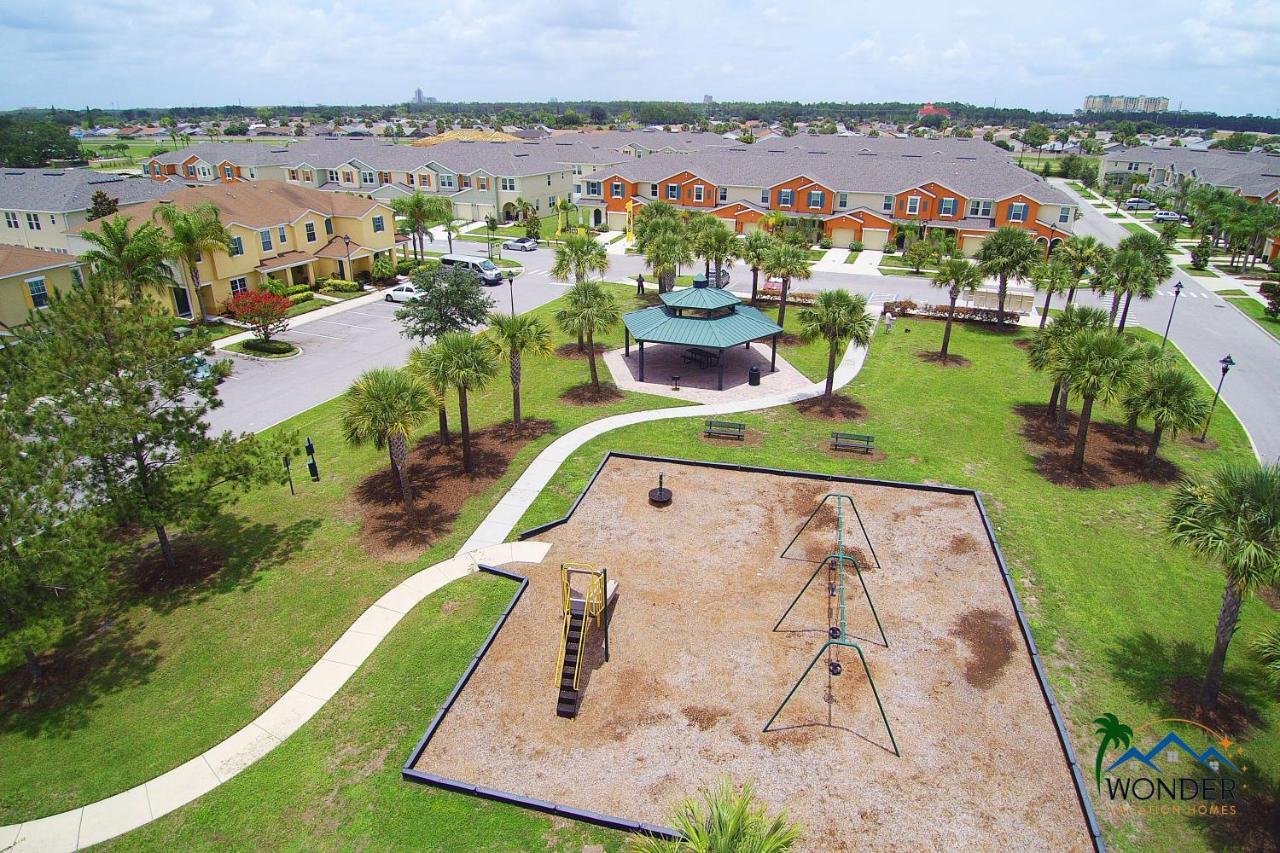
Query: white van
486	269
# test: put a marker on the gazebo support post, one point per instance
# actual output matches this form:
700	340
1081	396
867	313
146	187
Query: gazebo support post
641	361
773	355
720	381
626	337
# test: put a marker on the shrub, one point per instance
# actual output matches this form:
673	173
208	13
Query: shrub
825	243
1271	291
274	285
908	308
383	269
1201	253
296	298
340	285
262	311
428	264
404	266
363	277
855	246
269	347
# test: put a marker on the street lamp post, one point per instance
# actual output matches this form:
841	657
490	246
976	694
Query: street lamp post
511	290
346	242
1227	363
1177	291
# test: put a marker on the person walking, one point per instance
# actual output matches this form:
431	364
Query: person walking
888	322
640	284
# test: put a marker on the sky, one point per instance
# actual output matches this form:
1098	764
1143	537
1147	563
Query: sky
1217	55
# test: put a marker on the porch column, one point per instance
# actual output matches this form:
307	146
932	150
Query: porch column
773	355
720	378
641	361
626	337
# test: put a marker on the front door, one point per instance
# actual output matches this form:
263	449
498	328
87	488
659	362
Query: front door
342	271
181	302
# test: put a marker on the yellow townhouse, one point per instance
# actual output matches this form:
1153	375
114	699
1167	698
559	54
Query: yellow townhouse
293	234
28	277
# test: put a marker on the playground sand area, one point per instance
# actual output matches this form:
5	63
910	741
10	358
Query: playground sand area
696	669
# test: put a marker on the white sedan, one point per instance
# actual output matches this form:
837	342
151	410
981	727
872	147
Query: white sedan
403	293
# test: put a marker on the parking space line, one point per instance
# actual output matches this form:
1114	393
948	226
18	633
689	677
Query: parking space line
336	323
316	335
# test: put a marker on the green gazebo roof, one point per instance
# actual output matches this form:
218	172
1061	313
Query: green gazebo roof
661	325
705	298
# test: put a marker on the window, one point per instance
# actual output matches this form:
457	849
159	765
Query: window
33	221
673	192
577	189
328	227
577	170
764	196
817	198
615	189
887	207
293	174
228	173
446	182
379	224
653	190
11	219
77	278
408	178
332	175
283	235
843	200
509	185
39	295
913	205
593	188
367	178
548	180
722	194
1132	167
465	182
784	198
425	179
311	232
1017	212
551	202
980	208
482	183
1064	214
237	247
191	171
348	177
239	286
266	239
306	175
697	192
948	207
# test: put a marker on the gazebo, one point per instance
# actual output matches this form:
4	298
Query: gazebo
705	320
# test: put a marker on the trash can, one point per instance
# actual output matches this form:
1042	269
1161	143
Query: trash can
753	375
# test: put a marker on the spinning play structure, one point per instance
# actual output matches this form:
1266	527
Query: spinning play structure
837	630
579	607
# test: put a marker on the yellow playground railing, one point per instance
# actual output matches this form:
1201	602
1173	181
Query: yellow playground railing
594	600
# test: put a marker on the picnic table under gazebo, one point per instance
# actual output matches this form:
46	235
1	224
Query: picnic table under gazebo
706	321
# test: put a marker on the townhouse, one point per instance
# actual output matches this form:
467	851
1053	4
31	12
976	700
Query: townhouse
293	234
28	278
857	189
1253	175
40	207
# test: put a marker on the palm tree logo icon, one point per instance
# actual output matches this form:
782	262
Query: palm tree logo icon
1112	732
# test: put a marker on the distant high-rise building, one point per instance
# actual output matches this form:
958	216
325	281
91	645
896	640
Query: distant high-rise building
707	99
417	96
1125	104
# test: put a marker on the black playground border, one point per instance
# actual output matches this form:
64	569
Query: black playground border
1064	740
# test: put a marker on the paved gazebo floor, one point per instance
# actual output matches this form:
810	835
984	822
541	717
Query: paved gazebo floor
662	361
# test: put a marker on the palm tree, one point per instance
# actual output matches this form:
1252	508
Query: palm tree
426	369
1010	253
725	821
958	276
451	230
1097	366
786	262
1051	276
755	248
1266	648
135	259
513	336
1233	517
1126	274
699	227
1082	254
416	210
837	317
589	309
384	406
1047	344
1171	397
1157	268
720	246
193	233
1112	731
467	362
663	239
577	257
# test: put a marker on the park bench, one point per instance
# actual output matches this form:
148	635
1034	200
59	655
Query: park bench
852	441
726	429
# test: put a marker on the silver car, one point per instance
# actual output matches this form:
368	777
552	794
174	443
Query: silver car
521	244
403	293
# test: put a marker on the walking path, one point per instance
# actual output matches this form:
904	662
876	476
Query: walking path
867	263
79	828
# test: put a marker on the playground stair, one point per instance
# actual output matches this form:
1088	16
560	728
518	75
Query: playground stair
569	698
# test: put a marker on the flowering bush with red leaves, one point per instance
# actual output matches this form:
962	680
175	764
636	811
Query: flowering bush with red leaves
262	310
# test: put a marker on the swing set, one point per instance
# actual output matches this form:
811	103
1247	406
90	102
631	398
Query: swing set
837	631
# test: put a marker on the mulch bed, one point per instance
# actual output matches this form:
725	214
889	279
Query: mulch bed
934	358
1232	716
837	408
570	350
1112	457
440	489
587	395
1192	439
197	558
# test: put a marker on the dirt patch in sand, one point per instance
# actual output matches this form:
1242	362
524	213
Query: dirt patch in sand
964	543
1112	456
570	351
440	488
837	407
988	637
935	358
587	394
704	717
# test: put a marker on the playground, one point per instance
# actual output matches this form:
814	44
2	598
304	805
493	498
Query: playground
724	617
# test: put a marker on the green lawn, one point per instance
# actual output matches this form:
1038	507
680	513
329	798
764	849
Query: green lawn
1135	228
1083	191
895	265
1256	311
853	256
244	348
1093	567
297	578
1205	273
546	225
306	306
1115	215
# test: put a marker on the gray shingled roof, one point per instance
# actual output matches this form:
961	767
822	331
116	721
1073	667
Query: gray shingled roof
66	190
1254	173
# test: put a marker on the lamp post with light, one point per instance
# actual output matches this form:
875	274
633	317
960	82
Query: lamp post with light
346	242
1177	291
1227	363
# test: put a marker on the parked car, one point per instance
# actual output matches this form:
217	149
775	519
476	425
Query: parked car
1166	216
521	244
722	282
204	368
403	293
486	269
1139	204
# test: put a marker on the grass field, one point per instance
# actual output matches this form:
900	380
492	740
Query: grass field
895	265
1256	311
1083	191
1205	273
1093	568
